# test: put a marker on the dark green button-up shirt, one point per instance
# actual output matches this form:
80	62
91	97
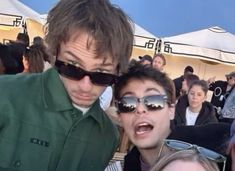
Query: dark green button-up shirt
41	130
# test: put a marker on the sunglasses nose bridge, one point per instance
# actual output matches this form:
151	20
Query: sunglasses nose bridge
140	106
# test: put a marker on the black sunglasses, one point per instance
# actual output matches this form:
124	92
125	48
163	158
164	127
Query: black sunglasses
76	73
152	103
211	155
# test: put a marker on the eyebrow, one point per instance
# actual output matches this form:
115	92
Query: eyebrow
147	90
103	64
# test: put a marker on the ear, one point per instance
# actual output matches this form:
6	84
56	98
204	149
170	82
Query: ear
171	111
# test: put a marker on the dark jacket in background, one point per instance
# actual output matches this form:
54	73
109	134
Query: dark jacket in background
178	85
16	52
219	93
206	114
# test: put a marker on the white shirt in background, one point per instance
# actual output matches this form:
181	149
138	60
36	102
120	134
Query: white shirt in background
191	117
106	98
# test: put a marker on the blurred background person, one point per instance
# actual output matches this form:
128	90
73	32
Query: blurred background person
33	60
159	61
146	60
17	49
221	90
188	79
46	56
178	81
8	65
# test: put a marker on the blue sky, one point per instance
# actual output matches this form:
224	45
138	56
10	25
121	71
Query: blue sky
165	18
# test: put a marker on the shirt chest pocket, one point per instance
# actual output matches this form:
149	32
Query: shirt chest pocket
23	156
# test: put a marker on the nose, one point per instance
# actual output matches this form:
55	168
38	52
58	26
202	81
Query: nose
85	84
140	108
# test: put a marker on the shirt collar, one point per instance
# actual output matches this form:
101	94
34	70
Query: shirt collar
55	96
96	112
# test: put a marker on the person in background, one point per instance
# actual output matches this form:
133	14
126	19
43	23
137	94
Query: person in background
179	81
17	49
221	90
193	109
46	57
146	60
145	99
8	64
53	120
33	59
228	111
188	79
186	160
159	61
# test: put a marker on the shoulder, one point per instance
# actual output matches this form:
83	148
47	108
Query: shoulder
20	83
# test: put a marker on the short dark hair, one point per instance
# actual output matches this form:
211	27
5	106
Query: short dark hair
188	69
201	83
140	72
106	24
23	38
146	57
190	78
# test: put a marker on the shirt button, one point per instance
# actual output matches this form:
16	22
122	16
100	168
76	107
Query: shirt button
17	163
74	115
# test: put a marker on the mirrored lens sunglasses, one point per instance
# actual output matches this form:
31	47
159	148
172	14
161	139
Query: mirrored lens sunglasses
151	103
76	73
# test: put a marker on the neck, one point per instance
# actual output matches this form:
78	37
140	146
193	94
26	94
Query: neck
195	109
149	155
228	87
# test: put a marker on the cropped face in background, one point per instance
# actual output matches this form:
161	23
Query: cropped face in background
79	53
158	63
231	80
196	96
181	165
146	127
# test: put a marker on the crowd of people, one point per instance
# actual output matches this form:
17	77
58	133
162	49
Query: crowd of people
56	93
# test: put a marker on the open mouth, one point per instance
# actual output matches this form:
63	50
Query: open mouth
143	128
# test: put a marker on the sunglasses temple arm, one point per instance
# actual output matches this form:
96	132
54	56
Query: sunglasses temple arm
224	165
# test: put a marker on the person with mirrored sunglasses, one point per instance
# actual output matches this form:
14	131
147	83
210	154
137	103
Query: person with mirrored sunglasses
53	120
145	98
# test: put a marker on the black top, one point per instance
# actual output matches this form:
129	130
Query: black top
219	93
178	85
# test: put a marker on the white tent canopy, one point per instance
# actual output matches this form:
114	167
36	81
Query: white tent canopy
143	38
213	44
13	13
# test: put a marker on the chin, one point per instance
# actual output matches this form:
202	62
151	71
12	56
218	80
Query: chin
84	104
